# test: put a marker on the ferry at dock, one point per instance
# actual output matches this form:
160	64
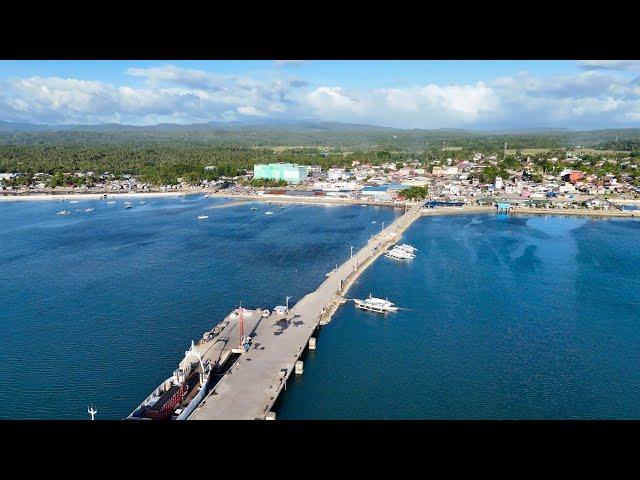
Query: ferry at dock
377	305
399	254
178	396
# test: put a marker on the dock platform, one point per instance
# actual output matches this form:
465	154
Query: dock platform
251	386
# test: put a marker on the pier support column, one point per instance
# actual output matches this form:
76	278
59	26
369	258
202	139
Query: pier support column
312	343
299	367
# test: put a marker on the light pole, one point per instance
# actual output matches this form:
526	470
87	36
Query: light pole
354	265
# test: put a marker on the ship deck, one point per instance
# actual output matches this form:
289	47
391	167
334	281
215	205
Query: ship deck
218	350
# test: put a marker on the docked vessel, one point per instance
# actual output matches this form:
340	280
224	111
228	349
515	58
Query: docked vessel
407	248
399	254
377	305
178	396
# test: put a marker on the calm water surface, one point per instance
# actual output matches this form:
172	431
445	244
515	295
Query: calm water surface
516	317
100	306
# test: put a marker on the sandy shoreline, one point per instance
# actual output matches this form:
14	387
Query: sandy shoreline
93	196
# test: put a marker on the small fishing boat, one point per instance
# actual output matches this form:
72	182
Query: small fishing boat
64	212
268	213
111	202
128	205
88	209
202	217
73	201
254	208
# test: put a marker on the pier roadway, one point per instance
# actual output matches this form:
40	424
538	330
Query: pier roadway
250	388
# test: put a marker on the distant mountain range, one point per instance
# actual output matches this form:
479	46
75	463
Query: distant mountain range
303	126
280	125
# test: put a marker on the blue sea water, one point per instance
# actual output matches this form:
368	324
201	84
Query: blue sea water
508	317
100	306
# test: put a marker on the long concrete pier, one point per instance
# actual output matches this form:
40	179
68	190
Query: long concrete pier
250	388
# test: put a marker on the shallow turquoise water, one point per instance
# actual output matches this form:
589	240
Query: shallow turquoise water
510	317
100	306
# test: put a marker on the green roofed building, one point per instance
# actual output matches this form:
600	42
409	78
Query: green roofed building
281	171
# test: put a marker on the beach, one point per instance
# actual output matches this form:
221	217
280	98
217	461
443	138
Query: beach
91	196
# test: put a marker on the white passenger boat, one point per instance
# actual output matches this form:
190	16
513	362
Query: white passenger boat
407	248
377	305
399	254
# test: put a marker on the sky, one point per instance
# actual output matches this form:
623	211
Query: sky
485	95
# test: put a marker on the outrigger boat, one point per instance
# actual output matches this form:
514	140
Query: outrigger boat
399	254
377	305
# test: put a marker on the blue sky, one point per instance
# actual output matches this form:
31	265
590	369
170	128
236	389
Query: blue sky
406	94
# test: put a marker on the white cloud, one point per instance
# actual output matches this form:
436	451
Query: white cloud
591	98
628	65
289	63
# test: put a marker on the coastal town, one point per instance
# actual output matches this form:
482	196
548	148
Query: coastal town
481	180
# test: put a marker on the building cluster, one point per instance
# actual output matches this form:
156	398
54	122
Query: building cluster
460	181
379	182
74	182
450	180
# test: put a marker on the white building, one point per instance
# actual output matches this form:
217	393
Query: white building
336	186
336	174
498	183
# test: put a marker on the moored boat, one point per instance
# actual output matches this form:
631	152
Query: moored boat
399	254
377	305
178	395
